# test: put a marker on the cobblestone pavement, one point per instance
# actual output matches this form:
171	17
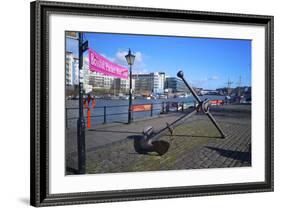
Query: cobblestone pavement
195	144
103	135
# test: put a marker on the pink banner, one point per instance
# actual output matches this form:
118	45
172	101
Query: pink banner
100	64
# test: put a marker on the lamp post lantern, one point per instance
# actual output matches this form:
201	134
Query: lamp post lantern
130	60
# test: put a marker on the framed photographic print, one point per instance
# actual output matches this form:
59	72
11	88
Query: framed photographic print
131	103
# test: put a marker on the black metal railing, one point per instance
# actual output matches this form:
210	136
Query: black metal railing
104	113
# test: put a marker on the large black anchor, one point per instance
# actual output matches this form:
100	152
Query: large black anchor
149	141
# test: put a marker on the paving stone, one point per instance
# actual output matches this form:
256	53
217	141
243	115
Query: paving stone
195	144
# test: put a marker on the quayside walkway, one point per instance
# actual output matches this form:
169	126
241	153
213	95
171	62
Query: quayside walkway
195	144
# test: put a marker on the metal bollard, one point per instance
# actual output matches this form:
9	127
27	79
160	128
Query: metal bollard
104	114
163	109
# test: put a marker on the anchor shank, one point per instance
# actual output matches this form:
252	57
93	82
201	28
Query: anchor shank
215	123
173	125
206	111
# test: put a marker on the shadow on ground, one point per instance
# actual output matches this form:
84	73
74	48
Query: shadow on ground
243	157
199	136
114	131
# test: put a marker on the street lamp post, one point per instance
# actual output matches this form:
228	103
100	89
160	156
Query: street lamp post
83	46
130	60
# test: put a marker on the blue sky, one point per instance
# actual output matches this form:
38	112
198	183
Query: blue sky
206	62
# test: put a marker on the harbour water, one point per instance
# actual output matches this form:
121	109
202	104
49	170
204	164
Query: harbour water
116	110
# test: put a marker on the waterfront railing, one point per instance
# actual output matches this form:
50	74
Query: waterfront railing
119	113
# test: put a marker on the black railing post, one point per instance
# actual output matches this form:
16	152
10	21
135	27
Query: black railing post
151	110
167	107
163	109
132	115
66	123
104	114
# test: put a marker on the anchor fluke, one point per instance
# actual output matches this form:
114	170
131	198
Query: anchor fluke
160	146
144	143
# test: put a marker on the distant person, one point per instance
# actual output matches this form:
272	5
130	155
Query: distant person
88	100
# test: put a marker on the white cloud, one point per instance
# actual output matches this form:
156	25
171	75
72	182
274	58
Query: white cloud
214	78
138	67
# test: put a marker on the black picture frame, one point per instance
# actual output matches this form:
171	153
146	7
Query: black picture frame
39	176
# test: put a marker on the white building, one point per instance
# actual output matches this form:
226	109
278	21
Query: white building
125	84
86	75
149	83
133	84
69	68
122	85
159	82
75	71
100	81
